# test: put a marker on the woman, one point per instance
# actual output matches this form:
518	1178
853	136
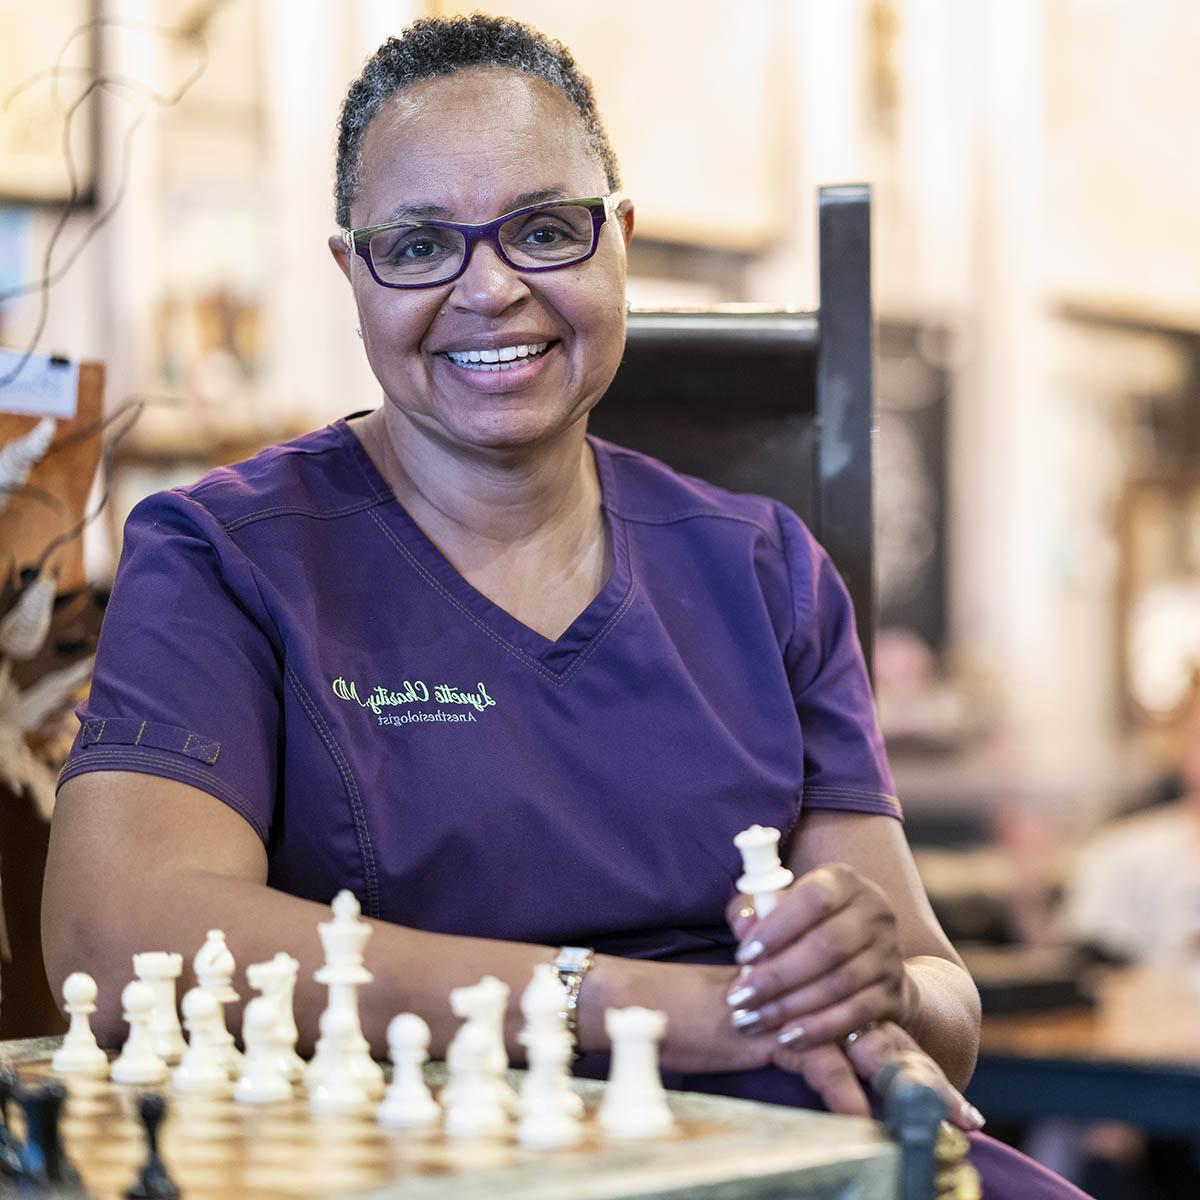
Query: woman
514	687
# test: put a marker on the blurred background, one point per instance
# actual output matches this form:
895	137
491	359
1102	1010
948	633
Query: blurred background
1037	289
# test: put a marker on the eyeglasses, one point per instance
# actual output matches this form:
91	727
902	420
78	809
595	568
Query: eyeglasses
542	237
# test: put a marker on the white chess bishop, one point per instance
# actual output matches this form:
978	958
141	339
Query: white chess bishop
214	966
764	876
80	1053
409	1102
160	969
138	1063
202	1070
635	1101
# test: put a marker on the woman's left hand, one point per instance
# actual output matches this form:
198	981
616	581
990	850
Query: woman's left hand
825	963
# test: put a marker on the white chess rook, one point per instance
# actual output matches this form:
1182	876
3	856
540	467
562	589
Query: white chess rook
344	939
138	1063
409	1102
214	965
80	1053
763	874
635	1102
262	1080
202	1071
160	970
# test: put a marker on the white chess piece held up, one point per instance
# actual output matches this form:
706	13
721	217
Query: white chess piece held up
635	1101
138	1063
409	1103
202	1071
764	876
80	1053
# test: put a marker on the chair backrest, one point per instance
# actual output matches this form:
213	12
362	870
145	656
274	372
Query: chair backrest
775	402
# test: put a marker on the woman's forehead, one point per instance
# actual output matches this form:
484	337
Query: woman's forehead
473	138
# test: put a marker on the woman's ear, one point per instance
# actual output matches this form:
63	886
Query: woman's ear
338	249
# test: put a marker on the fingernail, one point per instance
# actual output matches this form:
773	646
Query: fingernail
744	914
740	996
972	1115
749	952
788	1036
743	1018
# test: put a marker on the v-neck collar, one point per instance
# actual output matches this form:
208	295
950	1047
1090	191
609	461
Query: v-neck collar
562	655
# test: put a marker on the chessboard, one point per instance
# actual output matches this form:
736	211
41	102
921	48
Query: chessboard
219	1150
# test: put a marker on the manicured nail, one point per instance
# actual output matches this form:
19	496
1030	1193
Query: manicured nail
972	1115
788	1036
749	952
740	996
743	1018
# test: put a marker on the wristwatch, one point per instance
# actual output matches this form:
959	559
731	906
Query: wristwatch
572	964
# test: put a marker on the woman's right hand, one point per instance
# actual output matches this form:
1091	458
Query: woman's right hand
836	1071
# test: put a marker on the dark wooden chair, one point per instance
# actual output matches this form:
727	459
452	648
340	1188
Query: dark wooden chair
775	402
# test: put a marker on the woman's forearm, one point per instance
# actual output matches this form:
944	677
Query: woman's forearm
943	1015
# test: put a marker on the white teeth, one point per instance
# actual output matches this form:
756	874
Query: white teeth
495	360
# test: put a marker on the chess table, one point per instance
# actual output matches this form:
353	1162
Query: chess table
722	1149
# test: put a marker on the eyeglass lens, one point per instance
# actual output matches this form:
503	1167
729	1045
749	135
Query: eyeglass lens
424	254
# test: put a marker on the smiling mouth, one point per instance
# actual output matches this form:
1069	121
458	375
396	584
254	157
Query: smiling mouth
503	358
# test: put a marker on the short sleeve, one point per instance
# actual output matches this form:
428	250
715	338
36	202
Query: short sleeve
188	678
845	762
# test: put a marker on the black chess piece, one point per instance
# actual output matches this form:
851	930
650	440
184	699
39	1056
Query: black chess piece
44	1162
10	1147
153	1182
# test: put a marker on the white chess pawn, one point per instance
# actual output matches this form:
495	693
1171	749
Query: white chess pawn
473	1110
214	966
409	1102
635	1102
763	874
80	1053
261	1081
546	1028
138	1063
202	1070
160	970
334	1090
343	940
277	981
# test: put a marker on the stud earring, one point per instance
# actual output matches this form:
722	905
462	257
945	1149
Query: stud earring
628	306
358	330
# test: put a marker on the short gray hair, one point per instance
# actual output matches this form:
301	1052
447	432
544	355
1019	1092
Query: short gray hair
433	47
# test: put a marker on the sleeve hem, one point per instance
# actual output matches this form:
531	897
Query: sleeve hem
851	800
150	763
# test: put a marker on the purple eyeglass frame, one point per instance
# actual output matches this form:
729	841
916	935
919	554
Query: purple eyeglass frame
358	241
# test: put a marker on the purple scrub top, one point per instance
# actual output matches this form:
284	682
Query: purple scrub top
284	637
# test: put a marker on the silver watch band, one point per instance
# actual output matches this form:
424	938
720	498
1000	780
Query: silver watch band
572	964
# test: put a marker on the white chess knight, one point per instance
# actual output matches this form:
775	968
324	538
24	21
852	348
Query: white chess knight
334	1090
276	980
549	1109
763	874
483	1006
214	965
262	1080
409	1102
344	939
80	1053
202	1070
473	1110
160	969
635	1102
138	1063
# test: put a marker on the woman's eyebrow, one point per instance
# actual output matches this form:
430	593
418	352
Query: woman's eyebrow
439	212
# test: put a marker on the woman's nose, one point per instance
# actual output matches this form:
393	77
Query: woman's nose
488	285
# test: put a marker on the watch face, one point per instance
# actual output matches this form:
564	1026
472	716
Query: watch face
573	958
